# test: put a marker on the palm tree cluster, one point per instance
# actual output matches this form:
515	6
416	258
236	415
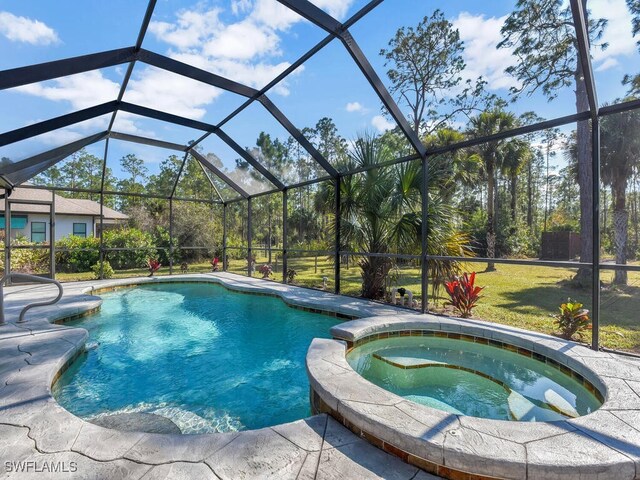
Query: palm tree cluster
381	213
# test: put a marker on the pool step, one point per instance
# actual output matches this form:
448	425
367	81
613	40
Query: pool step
405	362
433	403
524	410
559	404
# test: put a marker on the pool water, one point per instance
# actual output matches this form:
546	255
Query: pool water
207	358
467	378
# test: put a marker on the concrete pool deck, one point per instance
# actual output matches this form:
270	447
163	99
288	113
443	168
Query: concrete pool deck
34	428
37	432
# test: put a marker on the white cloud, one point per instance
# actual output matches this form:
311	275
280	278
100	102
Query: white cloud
172	93
240	6
190	28
242	41
247	50
481	36
27	30
617	34
336	8
274	15
382	124
354	107
81	90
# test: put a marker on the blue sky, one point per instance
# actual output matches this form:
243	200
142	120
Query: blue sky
251	41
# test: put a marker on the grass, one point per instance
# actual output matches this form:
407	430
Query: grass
521	296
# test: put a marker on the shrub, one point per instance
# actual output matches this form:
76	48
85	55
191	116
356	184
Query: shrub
107	270
153	265
572	319
129	238
29	261
265	270
291	275
463	293
80	255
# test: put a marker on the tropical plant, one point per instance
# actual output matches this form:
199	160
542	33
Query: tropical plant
291	275
214	264
572	319
265	270
153	265
463	293
381	214
491	155
620	154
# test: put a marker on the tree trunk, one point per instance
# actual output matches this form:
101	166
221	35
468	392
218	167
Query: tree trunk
620	226
491	221
374	272
530	196
634	218
514	200
585	180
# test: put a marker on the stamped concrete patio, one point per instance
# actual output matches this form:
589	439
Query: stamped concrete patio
37	432
38	436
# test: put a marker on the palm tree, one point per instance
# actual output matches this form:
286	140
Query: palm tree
620	154
516	154
381	214
490	154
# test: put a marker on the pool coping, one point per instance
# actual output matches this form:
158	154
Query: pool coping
34	426
602	444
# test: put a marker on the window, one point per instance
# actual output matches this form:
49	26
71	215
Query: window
38	232
17	221
80	230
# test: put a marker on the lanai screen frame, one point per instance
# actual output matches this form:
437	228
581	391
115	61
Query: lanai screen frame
335	30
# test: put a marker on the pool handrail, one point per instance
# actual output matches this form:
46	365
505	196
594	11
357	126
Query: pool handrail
27	278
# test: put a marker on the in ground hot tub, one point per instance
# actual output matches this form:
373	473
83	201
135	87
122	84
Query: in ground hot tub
465	399
465	375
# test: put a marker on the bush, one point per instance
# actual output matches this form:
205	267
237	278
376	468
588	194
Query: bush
107	270
129	238
82	254
572	319
29	261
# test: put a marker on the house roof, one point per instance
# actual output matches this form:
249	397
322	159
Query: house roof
63	205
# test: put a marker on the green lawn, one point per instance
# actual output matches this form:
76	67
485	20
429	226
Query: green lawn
522	296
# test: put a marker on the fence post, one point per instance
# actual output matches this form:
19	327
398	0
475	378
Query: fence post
249	238
285	233
224	237
338	239
170	235
425	233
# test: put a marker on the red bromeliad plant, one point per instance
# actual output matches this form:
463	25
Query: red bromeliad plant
154	265
463	293
214	264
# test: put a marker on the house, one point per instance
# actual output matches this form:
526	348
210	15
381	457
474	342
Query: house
32	218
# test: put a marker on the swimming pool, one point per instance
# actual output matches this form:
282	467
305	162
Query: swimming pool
475	379
209	359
